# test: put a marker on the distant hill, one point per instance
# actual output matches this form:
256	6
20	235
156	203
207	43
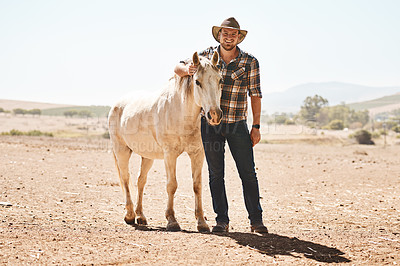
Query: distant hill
291	99
379	105
53	109
13	104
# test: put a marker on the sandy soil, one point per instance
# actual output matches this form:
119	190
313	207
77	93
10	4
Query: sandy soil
58	125
62	204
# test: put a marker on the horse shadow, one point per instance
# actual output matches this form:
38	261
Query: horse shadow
274	244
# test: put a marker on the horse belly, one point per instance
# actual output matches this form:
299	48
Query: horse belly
139	135
144	145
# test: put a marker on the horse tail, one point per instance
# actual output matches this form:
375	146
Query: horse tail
114	121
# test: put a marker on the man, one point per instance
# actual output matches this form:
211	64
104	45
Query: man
241	75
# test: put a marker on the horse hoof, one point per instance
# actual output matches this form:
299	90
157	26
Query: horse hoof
173	227
203	228
141	221
130	221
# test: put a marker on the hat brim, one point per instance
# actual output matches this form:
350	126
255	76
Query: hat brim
216	29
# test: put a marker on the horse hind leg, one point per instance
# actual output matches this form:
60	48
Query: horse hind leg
122	155
141	182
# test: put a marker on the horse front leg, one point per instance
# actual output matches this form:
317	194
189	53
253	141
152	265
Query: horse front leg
172	185
197	160
141	182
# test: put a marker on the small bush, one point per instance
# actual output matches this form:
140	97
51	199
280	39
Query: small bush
363	137
383	132
376	135
289	122
396	129
336	125
15	132
106	135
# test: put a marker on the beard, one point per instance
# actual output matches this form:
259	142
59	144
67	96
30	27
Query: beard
228	47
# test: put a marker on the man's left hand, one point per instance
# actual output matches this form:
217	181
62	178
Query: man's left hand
255	136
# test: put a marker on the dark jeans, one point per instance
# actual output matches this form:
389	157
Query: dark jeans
238	137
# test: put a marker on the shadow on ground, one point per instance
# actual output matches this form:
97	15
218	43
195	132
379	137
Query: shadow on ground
273	244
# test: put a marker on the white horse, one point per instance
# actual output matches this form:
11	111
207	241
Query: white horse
164	128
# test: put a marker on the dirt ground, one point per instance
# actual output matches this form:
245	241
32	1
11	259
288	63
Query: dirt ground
61	204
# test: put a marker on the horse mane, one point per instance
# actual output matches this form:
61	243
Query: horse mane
185	84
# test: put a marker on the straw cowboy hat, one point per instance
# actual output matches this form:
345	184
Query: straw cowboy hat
229	23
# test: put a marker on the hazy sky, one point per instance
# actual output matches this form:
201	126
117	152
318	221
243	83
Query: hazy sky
94	52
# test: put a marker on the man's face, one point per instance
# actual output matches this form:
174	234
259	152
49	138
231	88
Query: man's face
228	38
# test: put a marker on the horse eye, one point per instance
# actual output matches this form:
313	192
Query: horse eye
198	83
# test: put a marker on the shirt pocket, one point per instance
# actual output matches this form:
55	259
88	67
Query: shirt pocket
238	74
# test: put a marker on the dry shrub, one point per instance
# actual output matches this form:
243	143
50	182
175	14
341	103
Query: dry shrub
363	137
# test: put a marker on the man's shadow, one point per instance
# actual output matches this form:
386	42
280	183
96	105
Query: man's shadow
273	244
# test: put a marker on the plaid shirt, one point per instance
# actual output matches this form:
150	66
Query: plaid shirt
240	76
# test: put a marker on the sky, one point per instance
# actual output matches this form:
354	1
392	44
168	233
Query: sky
93	52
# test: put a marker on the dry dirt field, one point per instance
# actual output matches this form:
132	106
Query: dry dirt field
329	203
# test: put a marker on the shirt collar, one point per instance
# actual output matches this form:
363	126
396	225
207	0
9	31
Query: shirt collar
235	59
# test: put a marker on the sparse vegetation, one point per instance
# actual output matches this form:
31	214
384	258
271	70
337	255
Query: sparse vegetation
15	132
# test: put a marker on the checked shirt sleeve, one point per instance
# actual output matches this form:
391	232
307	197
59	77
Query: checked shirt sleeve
254	79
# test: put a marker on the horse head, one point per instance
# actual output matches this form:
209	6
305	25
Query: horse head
207	87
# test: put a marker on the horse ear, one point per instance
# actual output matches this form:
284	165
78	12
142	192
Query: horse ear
196	60
215	58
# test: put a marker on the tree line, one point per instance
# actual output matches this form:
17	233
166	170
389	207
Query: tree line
316	112
82	113
20	111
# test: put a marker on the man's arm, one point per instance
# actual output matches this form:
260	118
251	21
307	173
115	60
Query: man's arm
185	69
256	109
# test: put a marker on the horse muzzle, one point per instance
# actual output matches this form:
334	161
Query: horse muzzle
214	116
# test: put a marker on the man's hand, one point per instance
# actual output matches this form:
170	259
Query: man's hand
191	69
255	136
184	70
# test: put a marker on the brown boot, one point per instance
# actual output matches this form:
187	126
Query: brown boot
259	228
221	228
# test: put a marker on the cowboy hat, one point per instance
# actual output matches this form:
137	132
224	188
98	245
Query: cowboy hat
229	23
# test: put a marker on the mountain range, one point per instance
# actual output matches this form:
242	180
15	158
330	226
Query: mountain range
291	99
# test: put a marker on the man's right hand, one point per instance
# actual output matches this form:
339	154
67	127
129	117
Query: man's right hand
191	69
185	70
